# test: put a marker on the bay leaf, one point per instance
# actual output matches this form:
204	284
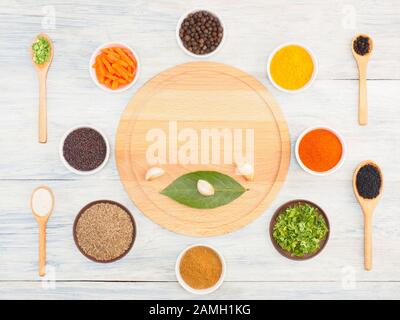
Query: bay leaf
184	190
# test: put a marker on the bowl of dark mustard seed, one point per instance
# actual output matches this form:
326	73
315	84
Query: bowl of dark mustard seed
200	33
84	150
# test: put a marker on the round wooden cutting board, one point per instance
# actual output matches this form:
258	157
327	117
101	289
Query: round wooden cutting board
191	98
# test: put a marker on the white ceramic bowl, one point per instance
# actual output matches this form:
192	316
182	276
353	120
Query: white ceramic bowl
335	168
67	165
202	291
92	71
309	83
178	38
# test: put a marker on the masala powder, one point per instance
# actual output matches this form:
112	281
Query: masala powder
200	267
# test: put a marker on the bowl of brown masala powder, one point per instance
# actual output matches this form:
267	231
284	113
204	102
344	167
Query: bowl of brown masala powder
104	231
200	269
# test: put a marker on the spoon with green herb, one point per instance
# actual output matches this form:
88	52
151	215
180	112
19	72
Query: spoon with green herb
42	56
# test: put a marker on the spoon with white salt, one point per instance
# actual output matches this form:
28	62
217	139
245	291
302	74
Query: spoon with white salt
42	205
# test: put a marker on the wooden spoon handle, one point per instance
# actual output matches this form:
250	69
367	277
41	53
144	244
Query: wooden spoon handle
42	249
42	109
368	242
363	104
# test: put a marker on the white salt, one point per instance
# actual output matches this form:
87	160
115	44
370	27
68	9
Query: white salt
42	201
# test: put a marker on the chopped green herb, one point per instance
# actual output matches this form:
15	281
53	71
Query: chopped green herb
41	50
299	229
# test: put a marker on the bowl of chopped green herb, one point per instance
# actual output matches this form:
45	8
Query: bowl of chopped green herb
299	229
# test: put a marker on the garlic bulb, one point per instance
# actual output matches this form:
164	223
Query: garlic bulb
153	173
246	170
205	188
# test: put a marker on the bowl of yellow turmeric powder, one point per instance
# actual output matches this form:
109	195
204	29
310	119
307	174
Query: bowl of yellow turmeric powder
292	67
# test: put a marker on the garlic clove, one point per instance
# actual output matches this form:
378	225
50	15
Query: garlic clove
205	188
246	170
153	173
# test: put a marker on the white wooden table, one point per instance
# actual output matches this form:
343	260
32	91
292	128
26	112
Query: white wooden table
255	27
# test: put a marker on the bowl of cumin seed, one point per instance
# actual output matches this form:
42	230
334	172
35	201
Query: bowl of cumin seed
104	231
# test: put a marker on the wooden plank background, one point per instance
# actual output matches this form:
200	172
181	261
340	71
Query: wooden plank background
254	28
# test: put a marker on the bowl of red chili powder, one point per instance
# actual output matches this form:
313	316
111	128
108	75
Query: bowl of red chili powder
320	150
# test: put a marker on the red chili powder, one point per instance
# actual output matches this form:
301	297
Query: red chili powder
320	150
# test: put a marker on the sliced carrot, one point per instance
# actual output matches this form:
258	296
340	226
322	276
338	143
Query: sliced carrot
125	74
122	81
100	65
114	84
105	50
122	63
111	59
108	83
115	67
111	76
125	56
108	65
113	55
100	77
130	55
100	68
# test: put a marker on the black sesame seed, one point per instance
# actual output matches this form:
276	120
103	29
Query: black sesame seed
368	182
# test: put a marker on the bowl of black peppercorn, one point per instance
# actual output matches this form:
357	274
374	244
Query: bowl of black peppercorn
200	33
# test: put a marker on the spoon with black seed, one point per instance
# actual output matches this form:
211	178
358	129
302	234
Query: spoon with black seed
362	46
368	188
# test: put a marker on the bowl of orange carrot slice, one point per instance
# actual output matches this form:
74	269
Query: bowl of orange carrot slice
114	67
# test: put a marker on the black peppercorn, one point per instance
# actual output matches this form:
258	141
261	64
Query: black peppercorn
361	45
368	181
201	32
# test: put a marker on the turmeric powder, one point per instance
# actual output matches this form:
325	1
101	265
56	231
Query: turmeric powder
200	267
292	67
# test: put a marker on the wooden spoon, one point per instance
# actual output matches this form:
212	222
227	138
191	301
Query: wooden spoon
42	70
42	218
362	63
367	206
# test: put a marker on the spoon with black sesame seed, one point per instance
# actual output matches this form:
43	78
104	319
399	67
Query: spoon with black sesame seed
368	187
362	46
